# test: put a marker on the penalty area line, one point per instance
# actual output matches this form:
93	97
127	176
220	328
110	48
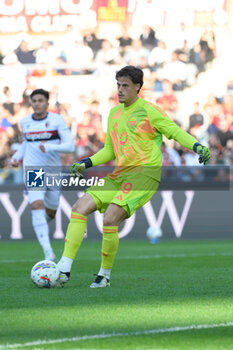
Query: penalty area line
111	335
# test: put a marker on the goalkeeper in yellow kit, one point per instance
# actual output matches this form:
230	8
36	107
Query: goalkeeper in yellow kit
134	137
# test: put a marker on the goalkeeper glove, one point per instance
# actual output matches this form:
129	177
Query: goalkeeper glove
77	168
203	151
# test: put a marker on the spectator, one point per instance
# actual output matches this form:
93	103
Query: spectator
215	113
54	103
65	41
169	155
20	110
107	54
47	53
125	41
158	55
208	45
184	52
175	71
81	58
24	54
228	153
64	111
27	92
6	122
197	57
92	41
183	35
168	101
98	137
105	108
4	147
59	64
14	73
148	37
223	132
1	56
196	118
228	104
94	109
135	53
8	104
84	130
190	158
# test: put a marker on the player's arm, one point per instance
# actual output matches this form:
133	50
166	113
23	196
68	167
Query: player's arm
19	154
101	157
67	143
172	131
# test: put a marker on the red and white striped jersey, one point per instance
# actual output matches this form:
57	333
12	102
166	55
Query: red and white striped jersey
53	131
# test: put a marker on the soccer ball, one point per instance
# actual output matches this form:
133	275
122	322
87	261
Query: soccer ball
154	233
45	274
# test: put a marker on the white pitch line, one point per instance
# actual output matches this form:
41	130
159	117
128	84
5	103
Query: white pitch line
129	257
111	335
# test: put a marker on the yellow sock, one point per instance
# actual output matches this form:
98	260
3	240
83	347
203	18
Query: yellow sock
110	244
74	235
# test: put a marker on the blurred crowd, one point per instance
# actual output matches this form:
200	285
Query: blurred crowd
168	70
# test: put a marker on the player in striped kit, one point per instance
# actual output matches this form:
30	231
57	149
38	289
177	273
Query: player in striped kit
45	136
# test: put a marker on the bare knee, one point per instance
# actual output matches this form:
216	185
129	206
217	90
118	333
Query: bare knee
108	221
114	215
37	205
51	213
85	205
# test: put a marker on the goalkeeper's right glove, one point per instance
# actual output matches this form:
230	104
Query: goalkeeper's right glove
78	168
203	151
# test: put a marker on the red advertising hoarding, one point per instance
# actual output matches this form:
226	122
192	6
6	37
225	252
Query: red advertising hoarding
46	16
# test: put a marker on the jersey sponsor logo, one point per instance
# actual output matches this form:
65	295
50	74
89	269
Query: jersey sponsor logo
41	135
123	138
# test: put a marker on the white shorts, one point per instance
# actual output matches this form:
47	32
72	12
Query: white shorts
50	198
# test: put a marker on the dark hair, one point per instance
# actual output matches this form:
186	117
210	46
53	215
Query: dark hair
40	92
134	73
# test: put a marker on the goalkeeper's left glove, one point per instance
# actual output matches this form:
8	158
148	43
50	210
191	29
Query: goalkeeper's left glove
203	151
77	168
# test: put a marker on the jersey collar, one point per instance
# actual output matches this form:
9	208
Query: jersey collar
131	106
38	120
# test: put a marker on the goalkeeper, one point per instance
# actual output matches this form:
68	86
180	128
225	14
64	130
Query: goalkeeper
134	137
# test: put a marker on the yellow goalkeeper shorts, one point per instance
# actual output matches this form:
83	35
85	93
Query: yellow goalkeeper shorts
129	191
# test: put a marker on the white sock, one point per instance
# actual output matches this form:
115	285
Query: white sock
105	272
41	229
65	264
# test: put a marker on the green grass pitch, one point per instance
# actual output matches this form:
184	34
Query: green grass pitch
172	295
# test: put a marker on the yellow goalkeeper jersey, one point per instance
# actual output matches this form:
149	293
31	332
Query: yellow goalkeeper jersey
134	138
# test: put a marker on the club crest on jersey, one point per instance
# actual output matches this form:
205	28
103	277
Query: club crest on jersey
132	121
139	114
47	124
